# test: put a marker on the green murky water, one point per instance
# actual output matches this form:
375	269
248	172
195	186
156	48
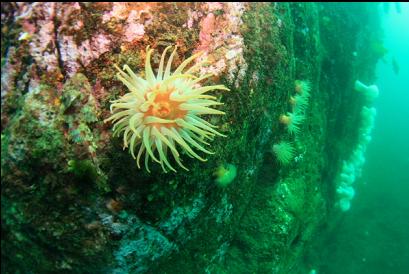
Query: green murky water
373	236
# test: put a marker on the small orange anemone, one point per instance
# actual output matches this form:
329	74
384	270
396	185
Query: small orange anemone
292	101
285	119
284	152
302	87
225	174
299	103
292	121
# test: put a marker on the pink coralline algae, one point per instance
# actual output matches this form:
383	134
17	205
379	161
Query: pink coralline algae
193	17
134	15
69	54
92	48
134	29
73	55
8	72
119	10
53	30
43	44
221	40
60	40
214	6
208	28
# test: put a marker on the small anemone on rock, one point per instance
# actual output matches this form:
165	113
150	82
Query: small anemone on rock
225	174
302	87
299	103
292	121
284	151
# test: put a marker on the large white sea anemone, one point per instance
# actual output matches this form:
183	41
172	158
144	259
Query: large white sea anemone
370	92
161	113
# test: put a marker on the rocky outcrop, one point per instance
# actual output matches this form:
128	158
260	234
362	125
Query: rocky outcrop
74	201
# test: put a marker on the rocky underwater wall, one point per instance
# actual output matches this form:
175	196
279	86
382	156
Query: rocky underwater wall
74	201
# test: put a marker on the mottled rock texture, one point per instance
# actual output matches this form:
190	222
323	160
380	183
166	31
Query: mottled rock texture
73	201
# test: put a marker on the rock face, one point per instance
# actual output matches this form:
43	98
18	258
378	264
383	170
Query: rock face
74	201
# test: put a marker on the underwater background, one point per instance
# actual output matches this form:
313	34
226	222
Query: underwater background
204	137
373	237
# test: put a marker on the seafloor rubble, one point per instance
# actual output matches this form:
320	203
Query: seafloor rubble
72	200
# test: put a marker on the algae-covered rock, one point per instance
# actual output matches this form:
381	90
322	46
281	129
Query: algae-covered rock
73	200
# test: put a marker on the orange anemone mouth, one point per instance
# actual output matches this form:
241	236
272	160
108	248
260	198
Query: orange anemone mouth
285	119
163	107
298	88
